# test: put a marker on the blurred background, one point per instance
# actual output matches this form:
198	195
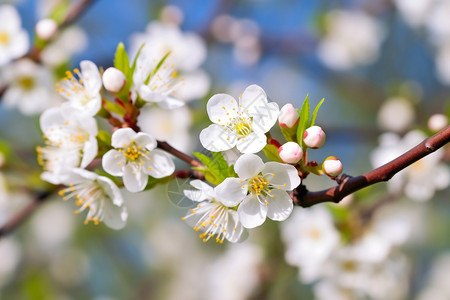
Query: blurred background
383	67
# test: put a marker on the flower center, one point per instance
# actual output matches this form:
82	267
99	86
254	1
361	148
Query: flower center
258	185
4	38
242	126
132	153
26	82
349	265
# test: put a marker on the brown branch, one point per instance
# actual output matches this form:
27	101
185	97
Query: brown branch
183	156
23	214
348	185
189	174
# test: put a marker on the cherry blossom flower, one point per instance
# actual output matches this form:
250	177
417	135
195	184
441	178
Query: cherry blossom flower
135	157
99	195
240	123
13	38
213	217
83	93
30	87
71	142
260	191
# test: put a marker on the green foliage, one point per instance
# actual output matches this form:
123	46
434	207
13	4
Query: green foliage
104	142
121	61
216	169
271	152
314	115
303	122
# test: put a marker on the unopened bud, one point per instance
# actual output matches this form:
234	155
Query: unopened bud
113	80
314	137
46	29
437	121
332	166
290	153
288	117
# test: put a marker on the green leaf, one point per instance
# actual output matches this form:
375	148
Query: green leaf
129	75
314	115
111	107
271	151
156	68
303	123
121	61
104	137
59	12
213	173
221	162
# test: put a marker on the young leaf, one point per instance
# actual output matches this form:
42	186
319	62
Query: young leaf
303	123
314	115
271	151
121	61
221	162
212	168
133	67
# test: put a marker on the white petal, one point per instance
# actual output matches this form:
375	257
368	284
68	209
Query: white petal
265	117
145	140
283	175
161	163
91	77
134	180
147	94
216	138
114	217
51	117
203	186
252	143
235	231
122	137
231	191
113	162
248	166
280	206
111	189
196	195
251	212
253	100
222	109
90	150
170	103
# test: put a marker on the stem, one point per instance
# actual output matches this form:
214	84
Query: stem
348	185
183	156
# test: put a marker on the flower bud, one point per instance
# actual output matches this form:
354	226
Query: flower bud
437	121
288	117
46	29
314	137
290	153
113	80
332	166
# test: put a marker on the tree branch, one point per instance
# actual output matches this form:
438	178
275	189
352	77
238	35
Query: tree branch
348	185
184	157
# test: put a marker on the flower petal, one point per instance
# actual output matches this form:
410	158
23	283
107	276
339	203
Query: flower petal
248	166
251	212
282	175
170	103
113	162
265	117
90	150
280	206
252	143
203	186
92	80
222	109
235	232
217	138
122	137
231	191
110	189
161	164
145	140
114	217
134	180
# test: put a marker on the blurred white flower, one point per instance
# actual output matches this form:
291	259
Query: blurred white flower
416	12
437	287
13	39
353	38
438	23
437	122
310	237
234	275
83	93
211	216
442	61
30	87
396	114
69	267
420	180
99	195
11	253
67	43
171	126
71	142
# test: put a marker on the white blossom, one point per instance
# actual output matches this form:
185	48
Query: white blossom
83	92
30	87
260	191
71	142
211	216
135	158
396	114
99	195
240	123
13	38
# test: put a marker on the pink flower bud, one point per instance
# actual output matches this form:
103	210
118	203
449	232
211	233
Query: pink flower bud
113	80
288	116
314	137
290	153
332	166
46	29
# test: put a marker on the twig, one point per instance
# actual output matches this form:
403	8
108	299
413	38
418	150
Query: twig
348	185
23	214
184	157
